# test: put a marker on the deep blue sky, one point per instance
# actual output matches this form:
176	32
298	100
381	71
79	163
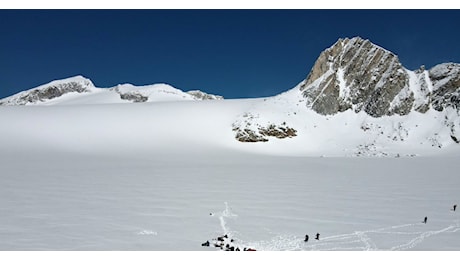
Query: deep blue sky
234	53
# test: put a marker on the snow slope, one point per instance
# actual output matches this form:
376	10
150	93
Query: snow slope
171	175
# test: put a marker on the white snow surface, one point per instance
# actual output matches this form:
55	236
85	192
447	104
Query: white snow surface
171	176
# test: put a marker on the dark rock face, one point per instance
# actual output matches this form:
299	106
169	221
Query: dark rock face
357	74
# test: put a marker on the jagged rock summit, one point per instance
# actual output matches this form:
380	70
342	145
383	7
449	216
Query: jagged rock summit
359	75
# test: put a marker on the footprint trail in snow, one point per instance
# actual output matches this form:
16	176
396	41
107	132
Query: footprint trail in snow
394	238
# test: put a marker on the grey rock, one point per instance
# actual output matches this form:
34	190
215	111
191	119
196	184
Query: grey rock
371	77
247	134
135	97
357	74
446	85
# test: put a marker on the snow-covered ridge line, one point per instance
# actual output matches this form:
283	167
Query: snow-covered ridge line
80	90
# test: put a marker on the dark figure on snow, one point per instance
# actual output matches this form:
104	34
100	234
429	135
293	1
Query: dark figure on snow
205	243
424	220
222	238
306	238
455	207
317	236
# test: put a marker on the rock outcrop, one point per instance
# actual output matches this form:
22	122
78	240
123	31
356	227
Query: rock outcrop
248	130
200	95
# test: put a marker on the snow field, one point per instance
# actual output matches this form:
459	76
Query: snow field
170	176
176	203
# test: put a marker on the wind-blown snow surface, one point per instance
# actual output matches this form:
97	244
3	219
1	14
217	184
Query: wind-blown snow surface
170	176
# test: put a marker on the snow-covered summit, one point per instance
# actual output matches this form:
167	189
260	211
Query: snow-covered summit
49	91
150	93
80	90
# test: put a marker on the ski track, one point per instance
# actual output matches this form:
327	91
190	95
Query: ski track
226	214
356	241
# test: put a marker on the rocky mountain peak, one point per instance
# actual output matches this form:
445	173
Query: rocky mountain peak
356	74
359	75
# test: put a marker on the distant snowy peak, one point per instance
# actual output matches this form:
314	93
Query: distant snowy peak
79	90
159	92
150	93
49	91
359	75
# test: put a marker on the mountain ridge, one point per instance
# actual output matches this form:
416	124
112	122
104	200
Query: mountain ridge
336	114
57	92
